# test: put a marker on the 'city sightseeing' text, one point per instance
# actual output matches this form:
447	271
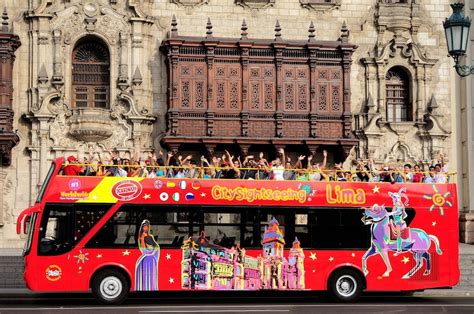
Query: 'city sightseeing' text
250	195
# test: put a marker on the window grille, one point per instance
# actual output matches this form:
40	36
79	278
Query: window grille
397	95
91	75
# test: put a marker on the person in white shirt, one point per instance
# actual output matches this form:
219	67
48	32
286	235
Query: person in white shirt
440	170
430	177
407	173
277	167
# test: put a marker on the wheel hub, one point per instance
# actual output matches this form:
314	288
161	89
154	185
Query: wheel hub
111	287
346	285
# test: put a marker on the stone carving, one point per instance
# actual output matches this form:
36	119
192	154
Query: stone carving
189	3
321	5
255	4
7	209
401	152
77	20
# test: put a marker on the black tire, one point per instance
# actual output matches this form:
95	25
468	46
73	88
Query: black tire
110	287
345	285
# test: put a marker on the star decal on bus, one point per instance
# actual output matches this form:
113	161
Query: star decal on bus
126	253
433	223
313	256
331	259
171	280
99	256
147	196
405	260
353	255
439	200
203	194
168	256
81	257
376	189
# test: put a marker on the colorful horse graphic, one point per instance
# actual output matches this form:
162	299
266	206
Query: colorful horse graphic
418	242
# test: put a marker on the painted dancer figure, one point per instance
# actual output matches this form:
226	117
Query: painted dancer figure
146	269
398	214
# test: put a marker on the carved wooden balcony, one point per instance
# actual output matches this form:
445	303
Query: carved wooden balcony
9	43
224	90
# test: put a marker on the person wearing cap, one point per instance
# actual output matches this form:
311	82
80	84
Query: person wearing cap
72	169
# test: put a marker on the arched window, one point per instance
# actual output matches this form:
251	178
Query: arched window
397	85
90	75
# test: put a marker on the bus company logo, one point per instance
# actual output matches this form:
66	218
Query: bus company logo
53	273
127	190
74	184
157	184
74	195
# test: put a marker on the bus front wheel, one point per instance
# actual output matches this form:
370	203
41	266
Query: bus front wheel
110	287
345	285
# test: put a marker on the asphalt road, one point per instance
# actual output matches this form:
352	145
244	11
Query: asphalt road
236	303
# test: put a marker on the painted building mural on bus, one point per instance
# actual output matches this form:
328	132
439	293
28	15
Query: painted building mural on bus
206	266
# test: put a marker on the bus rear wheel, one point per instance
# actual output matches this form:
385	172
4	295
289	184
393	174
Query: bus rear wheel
345	285
110	287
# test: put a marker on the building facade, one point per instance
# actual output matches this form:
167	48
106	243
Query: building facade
202	76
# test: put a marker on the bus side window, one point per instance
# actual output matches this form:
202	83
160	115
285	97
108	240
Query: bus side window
118	231
222	227
170	225
339	228
86	216
326	223
302	229
356	235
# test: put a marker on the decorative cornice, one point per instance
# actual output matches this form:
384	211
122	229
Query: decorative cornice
408	50
189	3
255	4
321	5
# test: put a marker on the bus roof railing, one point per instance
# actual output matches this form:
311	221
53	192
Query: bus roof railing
300	171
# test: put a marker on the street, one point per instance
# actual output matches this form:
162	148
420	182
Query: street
235	303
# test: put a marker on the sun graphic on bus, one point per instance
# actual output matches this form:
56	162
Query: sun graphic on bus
439	200
81	257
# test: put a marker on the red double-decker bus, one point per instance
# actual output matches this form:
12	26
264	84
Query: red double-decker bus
114	235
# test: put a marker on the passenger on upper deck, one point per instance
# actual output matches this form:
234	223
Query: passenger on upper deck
72	169
230	166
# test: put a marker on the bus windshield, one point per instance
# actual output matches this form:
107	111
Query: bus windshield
45	183
29	239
